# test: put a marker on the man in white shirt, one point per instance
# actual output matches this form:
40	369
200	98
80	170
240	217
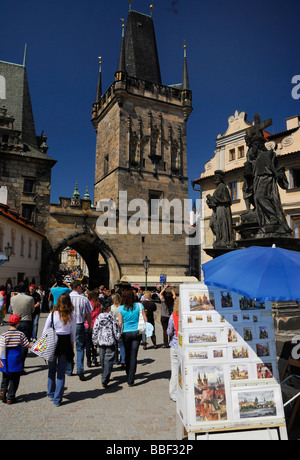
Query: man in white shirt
23	305
82	311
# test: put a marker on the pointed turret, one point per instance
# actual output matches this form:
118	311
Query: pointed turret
75	200
99	85
87	195
121	63
25	53
185	74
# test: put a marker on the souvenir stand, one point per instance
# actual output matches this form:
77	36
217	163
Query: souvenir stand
228	382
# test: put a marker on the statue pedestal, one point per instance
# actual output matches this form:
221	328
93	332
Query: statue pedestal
286	316
293	244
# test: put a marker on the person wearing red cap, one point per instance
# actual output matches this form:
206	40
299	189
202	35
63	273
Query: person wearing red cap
12	343
36	314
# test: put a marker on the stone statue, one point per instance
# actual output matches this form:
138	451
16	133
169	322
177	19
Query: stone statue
262	178
221	219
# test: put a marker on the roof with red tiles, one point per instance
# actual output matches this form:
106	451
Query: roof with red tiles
16	217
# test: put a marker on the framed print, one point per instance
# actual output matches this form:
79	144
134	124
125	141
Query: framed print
210	354
219	354
267	370
240	352
240	372
180	372
263	349
247	304
201	301
196	356
203	337
257	403
209	394
226	299
201	319
197	298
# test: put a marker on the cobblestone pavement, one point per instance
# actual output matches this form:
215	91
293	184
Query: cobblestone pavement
90	412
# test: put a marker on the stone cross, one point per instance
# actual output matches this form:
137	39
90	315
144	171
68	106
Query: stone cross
258	125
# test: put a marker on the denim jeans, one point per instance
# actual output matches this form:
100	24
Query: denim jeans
80	341
119	346
107	355
91	353
35	325
131	342
56	378
26	328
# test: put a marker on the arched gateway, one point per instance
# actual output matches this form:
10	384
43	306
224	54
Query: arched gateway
73	225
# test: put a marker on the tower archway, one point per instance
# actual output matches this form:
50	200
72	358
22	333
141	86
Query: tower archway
90	247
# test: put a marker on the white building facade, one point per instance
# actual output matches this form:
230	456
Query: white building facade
26	248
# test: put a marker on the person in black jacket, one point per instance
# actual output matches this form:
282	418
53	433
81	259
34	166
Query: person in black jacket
150	308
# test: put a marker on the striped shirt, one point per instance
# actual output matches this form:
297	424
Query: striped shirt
13	338
82	306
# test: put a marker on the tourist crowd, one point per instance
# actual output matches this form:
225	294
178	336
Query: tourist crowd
87	324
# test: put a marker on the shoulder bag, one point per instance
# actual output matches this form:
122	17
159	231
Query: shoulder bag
141	323
45	346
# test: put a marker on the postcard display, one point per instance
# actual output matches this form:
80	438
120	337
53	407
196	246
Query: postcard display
227	366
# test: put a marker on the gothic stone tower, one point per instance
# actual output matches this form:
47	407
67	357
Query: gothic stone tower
25	166
141	147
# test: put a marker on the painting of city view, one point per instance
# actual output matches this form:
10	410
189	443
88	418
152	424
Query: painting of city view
209	392
201	301
248	304
203	337
226	300
257	404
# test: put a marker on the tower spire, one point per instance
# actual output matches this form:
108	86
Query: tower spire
121	63
25	53
130	1
185	74
99	85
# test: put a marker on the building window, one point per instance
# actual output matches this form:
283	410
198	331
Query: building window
106	164
233	188
2	87
231	154
241	151
28	185
27	211
296	226
154	197
294	178
22	246
13	241
29	248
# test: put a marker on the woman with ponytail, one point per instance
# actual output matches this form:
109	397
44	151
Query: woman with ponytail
172	332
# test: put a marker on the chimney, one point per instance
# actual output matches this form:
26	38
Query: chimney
293	122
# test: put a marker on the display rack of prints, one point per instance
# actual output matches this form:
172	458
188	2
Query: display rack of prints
227	366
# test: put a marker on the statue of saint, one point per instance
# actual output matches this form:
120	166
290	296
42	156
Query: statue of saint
266	178
263	175
221	219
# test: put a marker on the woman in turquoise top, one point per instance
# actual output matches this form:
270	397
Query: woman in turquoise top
128	321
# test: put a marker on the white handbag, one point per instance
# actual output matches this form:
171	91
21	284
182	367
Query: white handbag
141	324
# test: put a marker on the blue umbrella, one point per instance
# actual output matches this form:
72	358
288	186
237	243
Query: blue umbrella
262	273
3	259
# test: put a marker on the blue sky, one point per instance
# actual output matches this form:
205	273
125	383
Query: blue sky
241	56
